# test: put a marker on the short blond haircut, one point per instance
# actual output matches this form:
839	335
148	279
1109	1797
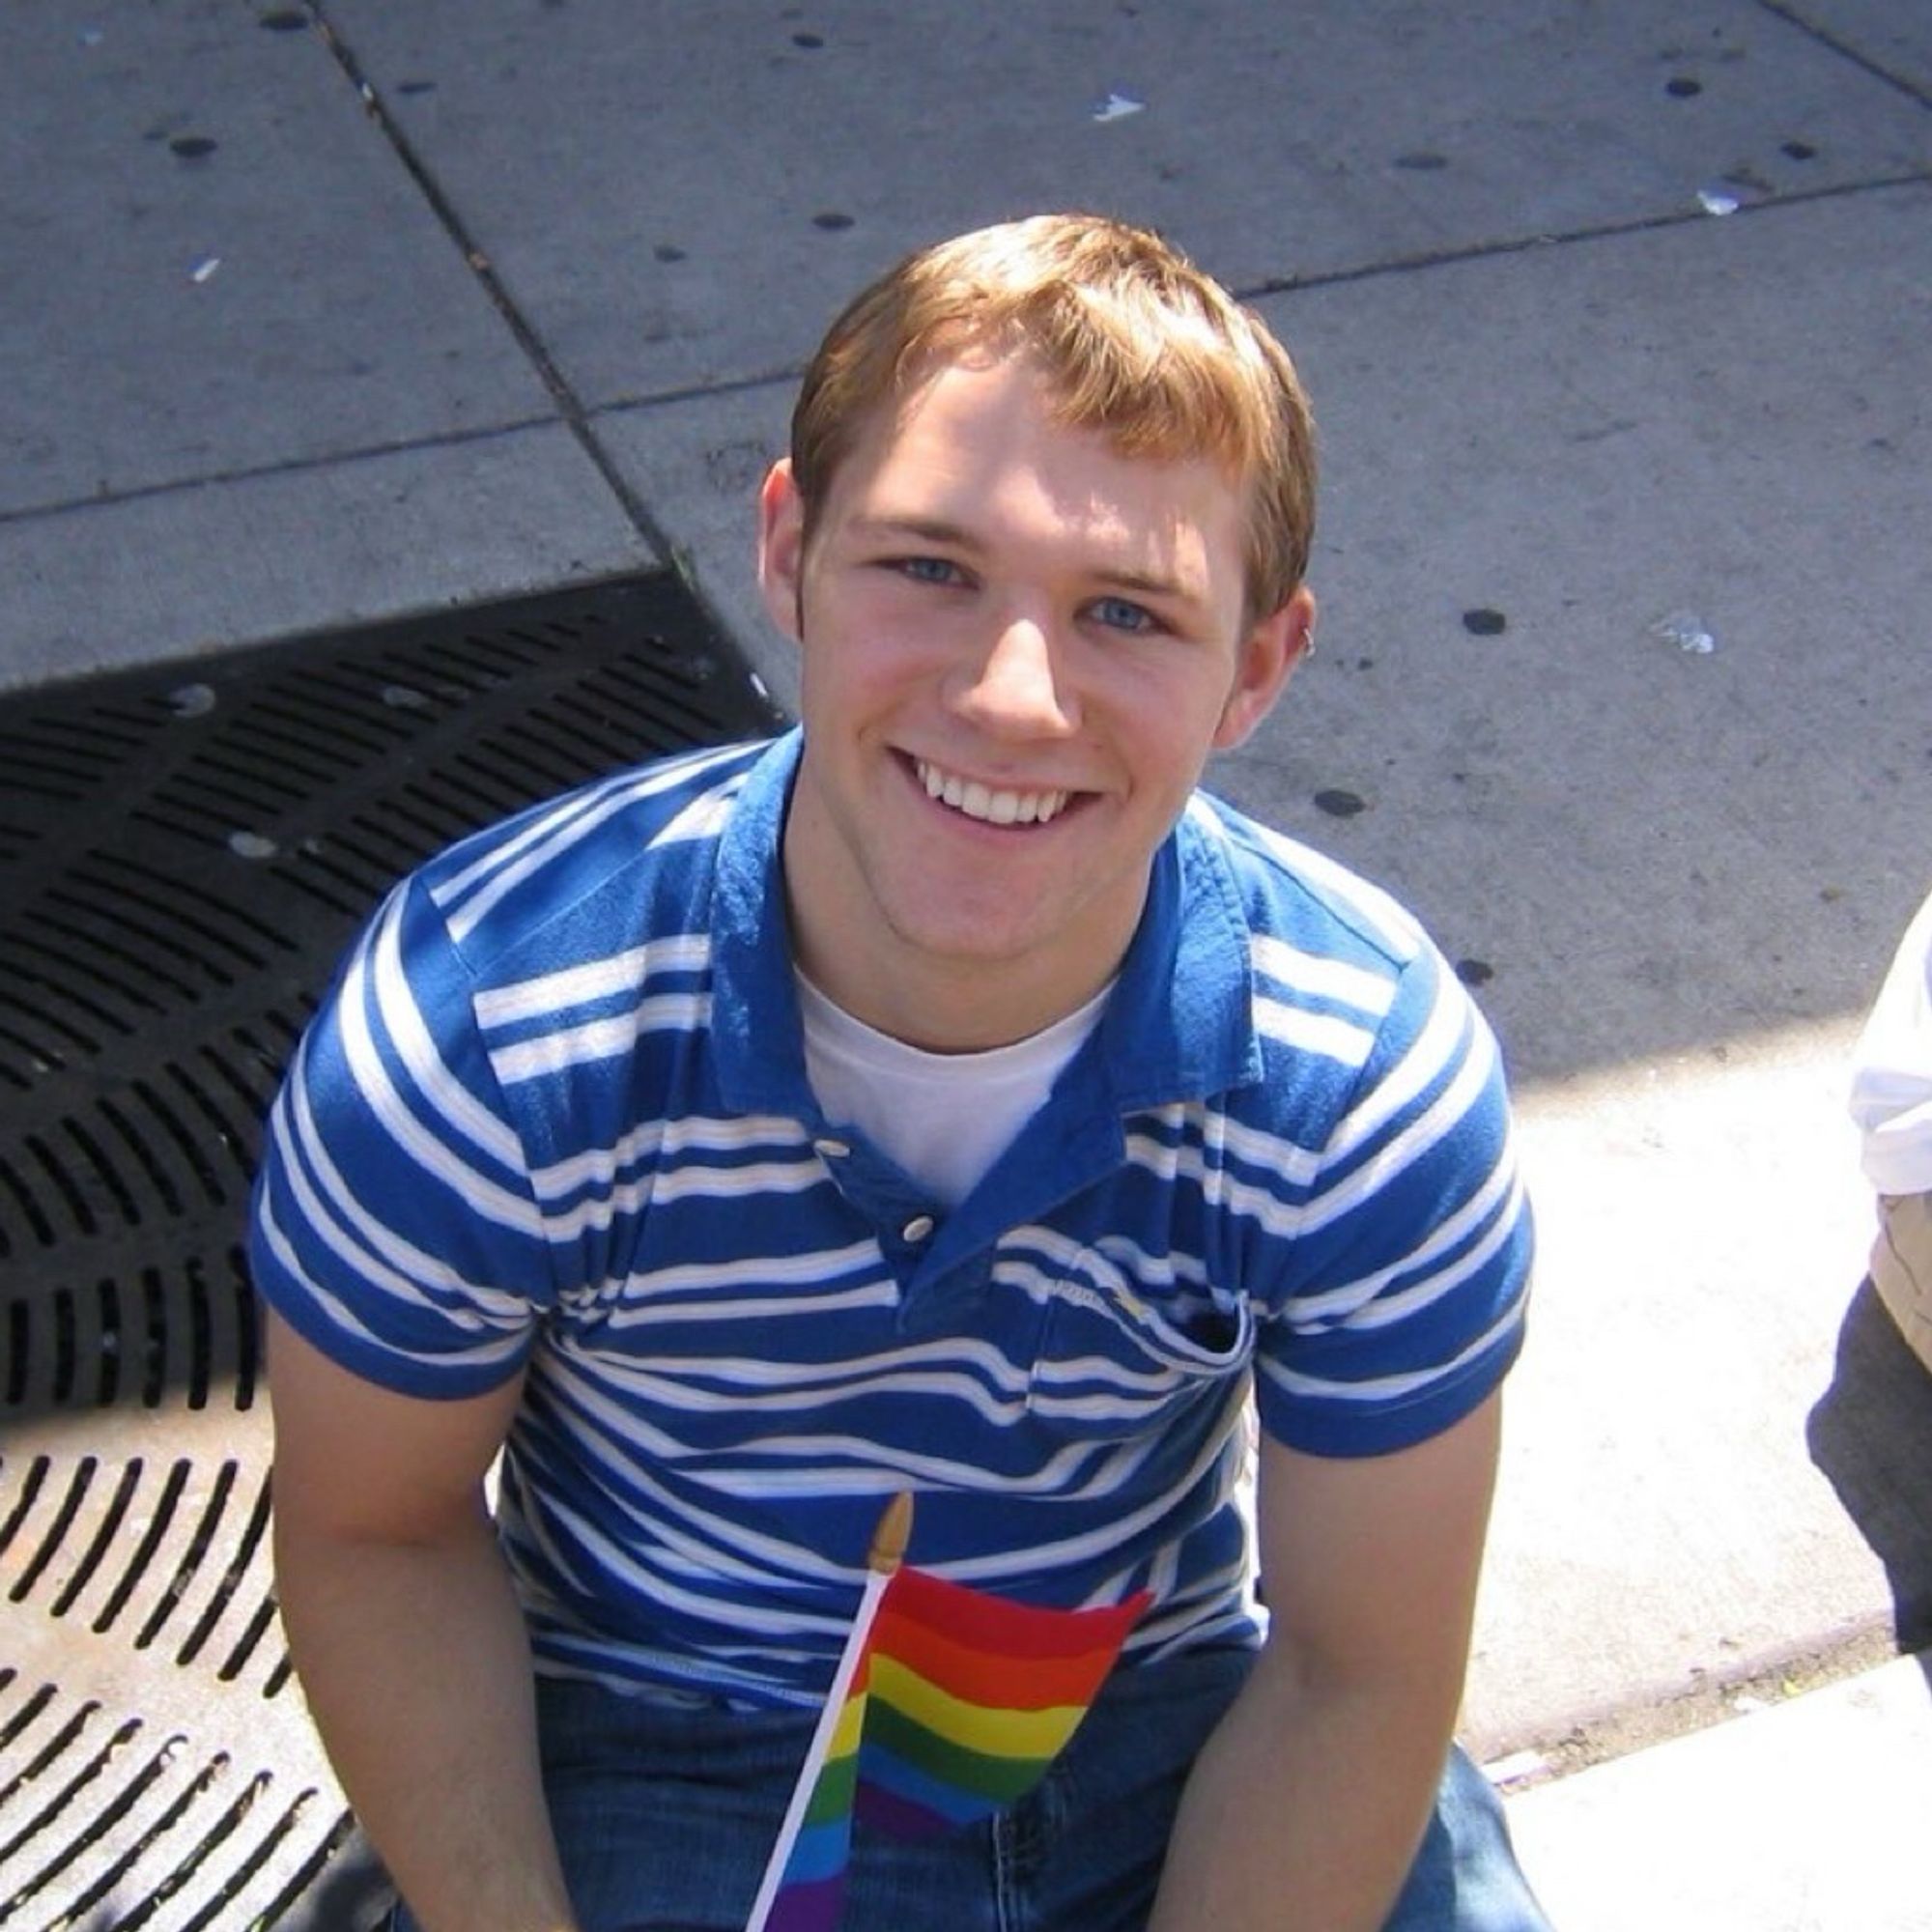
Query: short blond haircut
1134	341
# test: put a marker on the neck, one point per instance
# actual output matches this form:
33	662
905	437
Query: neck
948	1006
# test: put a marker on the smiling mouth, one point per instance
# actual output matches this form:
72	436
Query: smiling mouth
991	806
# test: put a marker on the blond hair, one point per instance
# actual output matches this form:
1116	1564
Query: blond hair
1134	341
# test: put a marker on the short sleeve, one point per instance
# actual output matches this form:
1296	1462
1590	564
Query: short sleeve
1403	1300
393	1224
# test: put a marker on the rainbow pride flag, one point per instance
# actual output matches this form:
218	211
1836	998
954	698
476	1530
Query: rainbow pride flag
954	1705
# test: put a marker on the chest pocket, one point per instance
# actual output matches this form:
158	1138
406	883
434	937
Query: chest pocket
1117	1355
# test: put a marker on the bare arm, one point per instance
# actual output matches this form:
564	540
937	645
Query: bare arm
409	1640
1307	1806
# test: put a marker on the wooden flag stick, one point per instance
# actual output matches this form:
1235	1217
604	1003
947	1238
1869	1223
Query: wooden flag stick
888	1551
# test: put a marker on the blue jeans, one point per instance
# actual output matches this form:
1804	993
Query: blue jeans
666	1817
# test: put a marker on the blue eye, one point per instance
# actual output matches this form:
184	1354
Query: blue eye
1120	614
928	569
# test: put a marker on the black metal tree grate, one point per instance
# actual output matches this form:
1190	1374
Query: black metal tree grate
184	853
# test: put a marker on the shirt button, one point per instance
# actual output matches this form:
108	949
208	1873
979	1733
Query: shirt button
917	1228
830	1149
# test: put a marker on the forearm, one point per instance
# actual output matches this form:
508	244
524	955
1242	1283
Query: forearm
1305	1810
417	1667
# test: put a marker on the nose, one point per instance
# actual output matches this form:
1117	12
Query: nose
1019	686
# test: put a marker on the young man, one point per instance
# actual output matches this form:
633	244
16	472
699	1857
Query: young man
949	1098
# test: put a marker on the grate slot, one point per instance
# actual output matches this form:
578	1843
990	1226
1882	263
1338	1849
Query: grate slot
232	1073
103	1172
252	1633
211	921
63	1184
37	1063
343	704
30	1489
21	1721
211	1914
247	1332
251	783
90	1774
91	951
59	962
303	735
330	1847
30	1210
79	1485
231	1580
153	1339
223	806
43	1760
145	1549
42	779
192	1559
193	1158
123	1862
389	853
496	787
234	1139
17	1357
136	1143
105	1532
117	919
178	1880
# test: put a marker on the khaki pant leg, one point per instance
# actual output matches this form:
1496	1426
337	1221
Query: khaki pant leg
1901	1266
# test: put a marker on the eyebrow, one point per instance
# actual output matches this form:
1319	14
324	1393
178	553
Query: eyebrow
937	529
926	530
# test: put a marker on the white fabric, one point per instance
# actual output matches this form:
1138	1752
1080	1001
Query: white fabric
945	1118
1891	1071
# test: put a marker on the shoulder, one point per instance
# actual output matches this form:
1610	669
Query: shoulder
611	862
1346	982
1290	893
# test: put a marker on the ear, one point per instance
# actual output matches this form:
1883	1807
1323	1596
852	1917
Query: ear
781	546
1269	653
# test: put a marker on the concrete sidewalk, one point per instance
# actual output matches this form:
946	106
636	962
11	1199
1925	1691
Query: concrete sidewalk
1618	323
1808	1816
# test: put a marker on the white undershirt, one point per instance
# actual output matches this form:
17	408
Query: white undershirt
945	1118
1891	1071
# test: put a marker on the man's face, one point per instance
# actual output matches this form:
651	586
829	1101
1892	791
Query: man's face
1020	649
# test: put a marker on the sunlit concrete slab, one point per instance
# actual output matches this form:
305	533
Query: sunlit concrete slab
698	464
214	262
676	206
1806	1818
176	571
1894	36
1547	479
1713	1478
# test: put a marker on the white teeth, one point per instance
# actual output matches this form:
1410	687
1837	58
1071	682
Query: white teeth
996	808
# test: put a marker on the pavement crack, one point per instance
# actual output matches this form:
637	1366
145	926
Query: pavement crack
1845	51
570	406
1606	231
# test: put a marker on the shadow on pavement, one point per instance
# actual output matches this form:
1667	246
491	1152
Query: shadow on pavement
1871	1434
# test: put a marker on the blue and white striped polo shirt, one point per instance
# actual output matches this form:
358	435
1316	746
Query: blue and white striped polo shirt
553	1118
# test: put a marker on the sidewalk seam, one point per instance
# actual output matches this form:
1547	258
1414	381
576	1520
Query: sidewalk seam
1610	231
570	406
292	466
1845	51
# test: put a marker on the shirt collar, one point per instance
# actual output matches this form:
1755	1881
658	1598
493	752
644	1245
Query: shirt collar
1179	1026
